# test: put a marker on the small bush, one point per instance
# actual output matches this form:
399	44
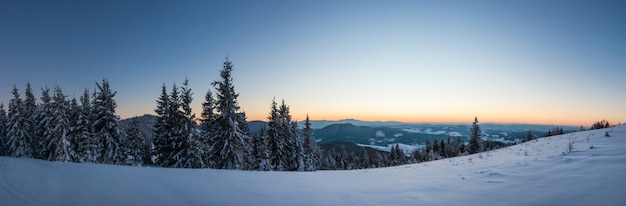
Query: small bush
570	144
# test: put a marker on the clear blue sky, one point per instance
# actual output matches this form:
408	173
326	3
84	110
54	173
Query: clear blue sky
560	62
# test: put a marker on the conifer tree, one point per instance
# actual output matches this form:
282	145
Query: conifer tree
43	118
162	144
442	149
19	142
30	109
87	148
191	148
105	125
59	143
3	133
277	145
474	141
261	151
229	144
529	137
396	156
207	124
134	146
312	151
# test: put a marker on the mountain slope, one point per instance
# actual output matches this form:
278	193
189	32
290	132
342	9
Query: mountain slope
532	173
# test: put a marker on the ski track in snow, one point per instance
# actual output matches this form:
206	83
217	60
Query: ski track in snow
538	172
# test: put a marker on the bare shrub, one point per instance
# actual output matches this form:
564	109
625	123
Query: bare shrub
570	144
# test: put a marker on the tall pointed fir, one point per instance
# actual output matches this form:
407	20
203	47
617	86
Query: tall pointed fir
43	118
284	143
135	145
87	148
311	150
19	142
260	150
59	144
30	109
3	132
191	149
105	124
474	141
229	146
207	124
162	128
290	131
277	144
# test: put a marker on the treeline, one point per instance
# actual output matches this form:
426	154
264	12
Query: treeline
555	131
600	125
342	156
58	129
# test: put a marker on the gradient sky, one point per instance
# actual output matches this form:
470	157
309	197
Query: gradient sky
547	62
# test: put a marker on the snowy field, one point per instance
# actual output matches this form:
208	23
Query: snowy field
533	173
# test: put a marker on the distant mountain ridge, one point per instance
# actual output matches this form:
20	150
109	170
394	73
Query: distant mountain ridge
384	133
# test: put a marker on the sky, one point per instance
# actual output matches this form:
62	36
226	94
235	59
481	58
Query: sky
540	62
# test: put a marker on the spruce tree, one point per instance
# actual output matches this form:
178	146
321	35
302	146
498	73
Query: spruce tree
59	143
43	118
191	148
312	151
229	145
207	124
87	148
3	133
134	148
261	152
19	142
474	141
105	125
529	137
277	144
162	127
30	109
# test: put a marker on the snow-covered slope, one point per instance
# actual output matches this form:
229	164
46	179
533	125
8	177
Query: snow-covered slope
533	173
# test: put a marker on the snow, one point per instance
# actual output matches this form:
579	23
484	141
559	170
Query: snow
380	133
455	134
431	132
406	148
533	173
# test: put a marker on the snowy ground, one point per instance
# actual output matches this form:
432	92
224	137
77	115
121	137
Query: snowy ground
533	173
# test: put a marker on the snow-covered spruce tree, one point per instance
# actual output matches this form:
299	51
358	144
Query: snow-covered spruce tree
207	124
284	144
87	145
277	143
134	149
229	145
105	125
312	151
394	156
190	153
177	142
261	151
289	131
59	143
19	142
162	145
474	141
30	109
43	116
73	134
3	132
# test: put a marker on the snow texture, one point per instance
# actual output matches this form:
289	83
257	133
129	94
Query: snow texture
538	172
